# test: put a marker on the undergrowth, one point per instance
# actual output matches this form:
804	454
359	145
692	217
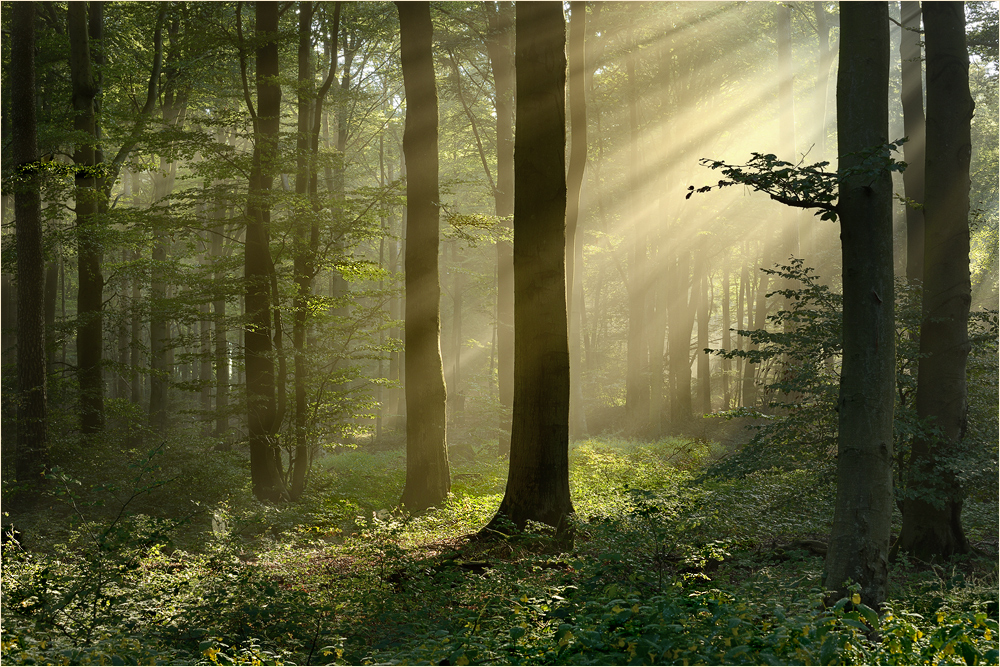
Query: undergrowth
665	567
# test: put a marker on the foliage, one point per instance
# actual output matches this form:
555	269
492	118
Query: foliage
662	570
798	185
801	351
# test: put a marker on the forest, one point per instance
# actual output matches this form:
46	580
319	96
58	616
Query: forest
500	333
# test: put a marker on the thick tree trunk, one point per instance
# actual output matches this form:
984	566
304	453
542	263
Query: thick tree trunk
914	129
859	541
89	341
428	478
32	404
258	267
932	511
538	481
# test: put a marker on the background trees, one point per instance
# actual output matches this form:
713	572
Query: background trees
306	354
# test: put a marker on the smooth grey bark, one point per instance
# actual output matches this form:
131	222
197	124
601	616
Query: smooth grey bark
859	541
428	477
538	481
932	510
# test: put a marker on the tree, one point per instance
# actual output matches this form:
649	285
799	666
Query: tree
32	405
913	128
859	541
500	47
428	478
538	481
90	337
258	266
577	100
932	510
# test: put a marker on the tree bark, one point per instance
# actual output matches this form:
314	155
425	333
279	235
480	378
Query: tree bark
32	404
932	511
637	356
914	129
538	481
428	478
89	340
577	100
859	541
258	267
500	47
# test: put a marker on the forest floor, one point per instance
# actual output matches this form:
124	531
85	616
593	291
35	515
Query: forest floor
668	564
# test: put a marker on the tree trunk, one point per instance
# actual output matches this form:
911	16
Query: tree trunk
577	100
859	541
428	478
267	483
932	511
914	129
500	47
89	339
32	404
727	336
538	481
704	310
681	317
637	357
221	332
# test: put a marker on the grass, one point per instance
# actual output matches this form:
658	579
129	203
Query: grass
666	567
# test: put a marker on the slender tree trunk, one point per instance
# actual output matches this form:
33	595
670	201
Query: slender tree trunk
574	238
637	359
258	344
932	511
727	337
786	114
859	541
681	321
704	309
500	47
914	129
32	403
538	481
89	341
428	478
221	331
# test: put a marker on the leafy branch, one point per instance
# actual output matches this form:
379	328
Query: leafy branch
803	186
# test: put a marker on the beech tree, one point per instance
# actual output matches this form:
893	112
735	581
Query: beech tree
914	128
932	510
859	541
32	406
258	265
428	479
538	480
89	337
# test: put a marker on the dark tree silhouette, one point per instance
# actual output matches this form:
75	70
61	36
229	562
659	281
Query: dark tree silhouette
428	478
932	511
859	541
538	481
